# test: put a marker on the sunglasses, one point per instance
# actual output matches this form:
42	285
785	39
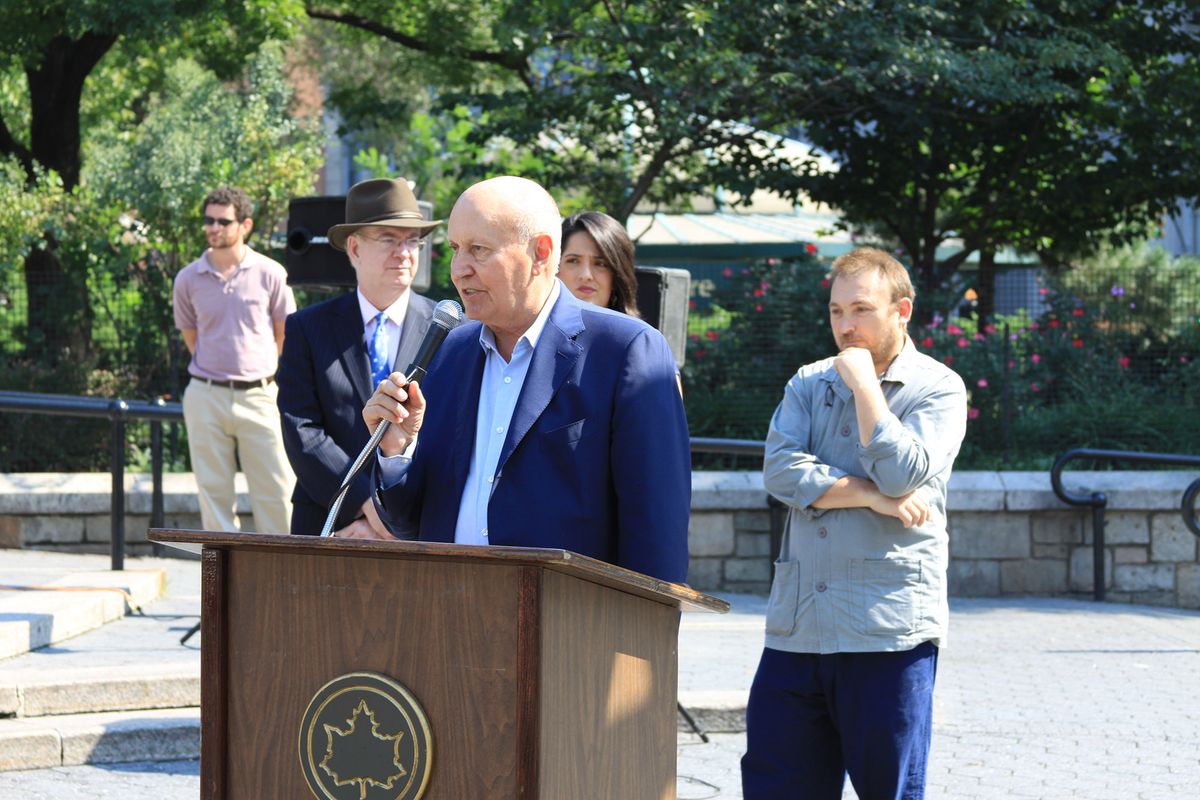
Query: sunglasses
224	223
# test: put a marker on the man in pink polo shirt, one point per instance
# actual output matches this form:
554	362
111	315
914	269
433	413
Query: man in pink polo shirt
230	306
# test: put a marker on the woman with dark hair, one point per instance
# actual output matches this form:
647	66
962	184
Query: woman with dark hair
597	262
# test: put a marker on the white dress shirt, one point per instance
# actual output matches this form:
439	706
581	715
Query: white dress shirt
394	320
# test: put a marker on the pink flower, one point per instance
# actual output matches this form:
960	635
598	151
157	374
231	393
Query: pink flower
1123	362
1078	312
1054	323
982	383
695	337
962	342
699	353
810	248
692	304
825	283
989	329
758	307
953	329
948	360
727	272
1043	291
712	336
1077	342
972	413
1033	387
758	293
979	337
1012	364
1035	358
927	342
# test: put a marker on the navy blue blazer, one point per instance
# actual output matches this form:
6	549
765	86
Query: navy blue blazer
324	382
596	460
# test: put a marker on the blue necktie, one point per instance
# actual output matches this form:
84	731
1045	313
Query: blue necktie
377	352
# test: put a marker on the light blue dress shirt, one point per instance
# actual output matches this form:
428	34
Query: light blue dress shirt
502	382
498	395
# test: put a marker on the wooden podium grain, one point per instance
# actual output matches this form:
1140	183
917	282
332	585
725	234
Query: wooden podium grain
544	674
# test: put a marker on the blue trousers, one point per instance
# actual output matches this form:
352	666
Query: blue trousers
814	718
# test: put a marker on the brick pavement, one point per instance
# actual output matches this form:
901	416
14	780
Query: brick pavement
1037	698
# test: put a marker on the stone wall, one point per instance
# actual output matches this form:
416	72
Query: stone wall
1009	534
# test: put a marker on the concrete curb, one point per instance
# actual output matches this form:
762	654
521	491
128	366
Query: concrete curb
81	691
100	738
77	603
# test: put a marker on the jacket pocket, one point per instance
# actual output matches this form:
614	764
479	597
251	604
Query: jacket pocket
887	595
785	598
567	434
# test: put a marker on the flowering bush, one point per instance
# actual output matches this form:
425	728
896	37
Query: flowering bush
1088	372
769	317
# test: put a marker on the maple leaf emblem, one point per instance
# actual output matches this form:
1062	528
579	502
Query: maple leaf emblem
362	755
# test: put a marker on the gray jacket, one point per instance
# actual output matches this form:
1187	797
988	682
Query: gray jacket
853	580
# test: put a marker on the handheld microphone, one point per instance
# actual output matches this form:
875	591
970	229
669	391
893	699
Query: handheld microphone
446	316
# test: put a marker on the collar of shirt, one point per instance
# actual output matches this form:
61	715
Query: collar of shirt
207	266
902	366
395	312
901	370
487	339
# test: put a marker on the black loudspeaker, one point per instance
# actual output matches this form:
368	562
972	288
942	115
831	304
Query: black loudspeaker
309	259
662	300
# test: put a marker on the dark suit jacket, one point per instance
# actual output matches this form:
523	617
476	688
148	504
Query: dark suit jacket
324	382
596	458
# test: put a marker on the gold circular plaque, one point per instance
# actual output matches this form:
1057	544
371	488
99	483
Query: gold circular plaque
365	737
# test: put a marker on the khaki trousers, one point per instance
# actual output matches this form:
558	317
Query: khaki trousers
221	420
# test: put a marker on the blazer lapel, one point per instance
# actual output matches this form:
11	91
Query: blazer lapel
348	339
468	413
553	360
416	323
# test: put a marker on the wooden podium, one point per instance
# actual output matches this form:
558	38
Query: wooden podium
541	673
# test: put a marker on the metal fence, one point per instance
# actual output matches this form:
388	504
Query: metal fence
1107	356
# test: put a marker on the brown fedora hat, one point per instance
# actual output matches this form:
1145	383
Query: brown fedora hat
380	201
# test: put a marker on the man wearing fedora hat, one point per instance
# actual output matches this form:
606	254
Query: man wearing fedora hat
335	353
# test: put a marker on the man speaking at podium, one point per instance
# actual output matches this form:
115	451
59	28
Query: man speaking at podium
547	422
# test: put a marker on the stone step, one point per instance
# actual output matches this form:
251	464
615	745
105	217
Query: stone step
32	617
105	738
86	690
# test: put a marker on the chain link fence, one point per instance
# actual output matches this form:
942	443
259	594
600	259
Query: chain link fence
1106	355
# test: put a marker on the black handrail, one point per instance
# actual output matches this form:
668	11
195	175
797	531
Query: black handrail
1098	501
117	411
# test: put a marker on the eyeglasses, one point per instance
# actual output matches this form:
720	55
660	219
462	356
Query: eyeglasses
224	223
390	243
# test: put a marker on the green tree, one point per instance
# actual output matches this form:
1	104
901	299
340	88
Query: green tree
1045	126
49	52
618	104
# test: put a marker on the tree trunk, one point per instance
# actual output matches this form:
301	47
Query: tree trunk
55	91
986	285
57	312
58	317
